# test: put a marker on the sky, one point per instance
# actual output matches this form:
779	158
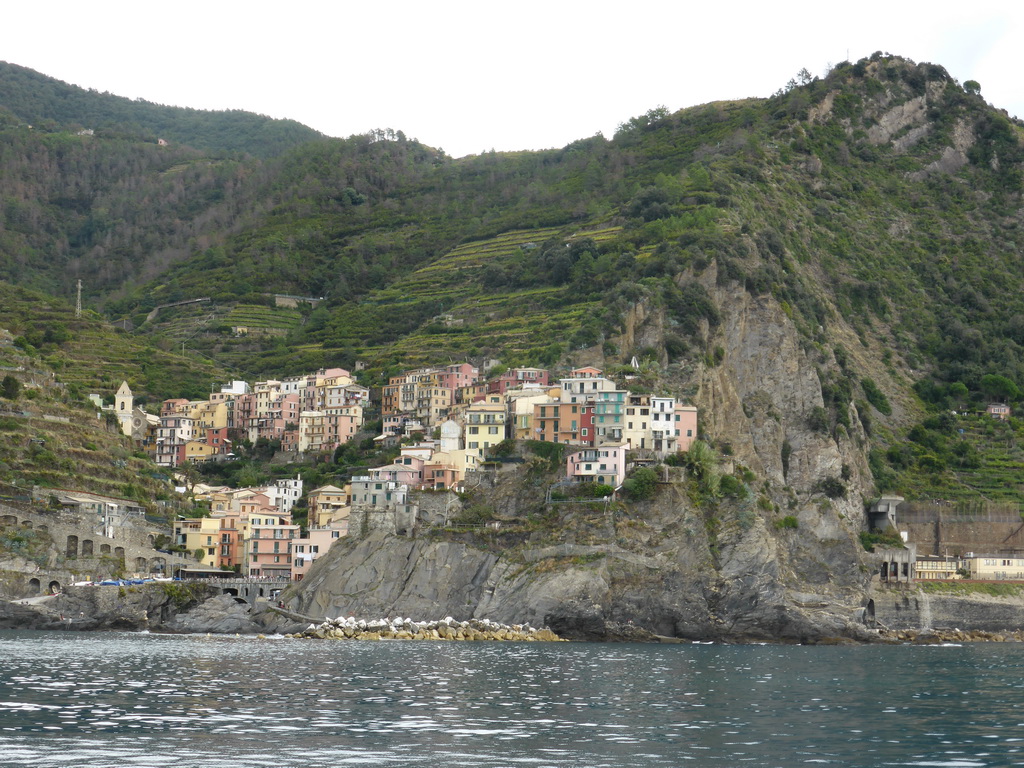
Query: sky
468	77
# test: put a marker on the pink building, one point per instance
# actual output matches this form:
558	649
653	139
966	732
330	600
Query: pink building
269	545
517	377
315	544
606	465
998	410
244	414
685	426
439	476
458	375
409	473
284	411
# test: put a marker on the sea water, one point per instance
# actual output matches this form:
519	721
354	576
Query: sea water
123	699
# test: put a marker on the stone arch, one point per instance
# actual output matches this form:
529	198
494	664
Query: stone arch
27	524
141	564
232	591
43	527
104	549
119	553
54	587
86	547
34	586
8	520
72	547
152	540
158	565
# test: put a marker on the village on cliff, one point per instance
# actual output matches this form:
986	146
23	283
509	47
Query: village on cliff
446	423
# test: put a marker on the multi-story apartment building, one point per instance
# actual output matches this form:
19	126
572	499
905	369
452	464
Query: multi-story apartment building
199	534
174	432
516	378
484	426
283	494
316	543
326	504
564	422
605	464
280	416
269	545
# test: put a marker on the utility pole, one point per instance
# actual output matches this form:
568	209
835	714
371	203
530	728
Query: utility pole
78	303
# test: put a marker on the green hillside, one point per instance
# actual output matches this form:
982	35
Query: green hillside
50	437
877	207
88	355
49	104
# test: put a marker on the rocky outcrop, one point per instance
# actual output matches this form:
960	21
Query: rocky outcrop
603	593
160	607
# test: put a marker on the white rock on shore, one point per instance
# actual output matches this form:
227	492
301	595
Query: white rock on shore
350	628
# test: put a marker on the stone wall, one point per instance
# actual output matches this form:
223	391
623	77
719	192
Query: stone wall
910	608
79	551
435	507
958	538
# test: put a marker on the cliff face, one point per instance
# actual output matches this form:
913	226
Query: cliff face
679	566
586	592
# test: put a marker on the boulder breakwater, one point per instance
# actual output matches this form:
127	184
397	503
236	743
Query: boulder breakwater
406	629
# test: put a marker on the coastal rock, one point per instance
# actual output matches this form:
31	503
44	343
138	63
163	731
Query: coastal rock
476	630
219	615
614	598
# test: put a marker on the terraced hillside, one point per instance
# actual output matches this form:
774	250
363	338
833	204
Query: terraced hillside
449	309
963	457
88	355
49	439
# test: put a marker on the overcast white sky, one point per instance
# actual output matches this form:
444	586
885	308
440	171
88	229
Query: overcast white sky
471	76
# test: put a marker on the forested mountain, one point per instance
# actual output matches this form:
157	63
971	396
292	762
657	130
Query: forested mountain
48	104
876	213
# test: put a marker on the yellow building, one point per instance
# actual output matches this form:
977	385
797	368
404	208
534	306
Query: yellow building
199	533
484	426
210	415
327	503
932	567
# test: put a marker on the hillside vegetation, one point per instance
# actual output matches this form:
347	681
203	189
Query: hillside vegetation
879	207
48	104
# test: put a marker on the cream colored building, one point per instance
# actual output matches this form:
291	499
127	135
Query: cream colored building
994	567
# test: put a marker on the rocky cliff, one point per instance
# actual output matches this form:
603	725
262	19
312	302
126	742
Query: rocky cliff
779	559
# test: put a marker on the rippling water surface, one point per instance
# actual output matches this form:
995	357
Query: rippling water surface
149	700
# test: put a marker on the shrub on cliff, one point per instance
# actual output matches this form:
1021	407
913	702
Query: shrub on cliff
641	485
